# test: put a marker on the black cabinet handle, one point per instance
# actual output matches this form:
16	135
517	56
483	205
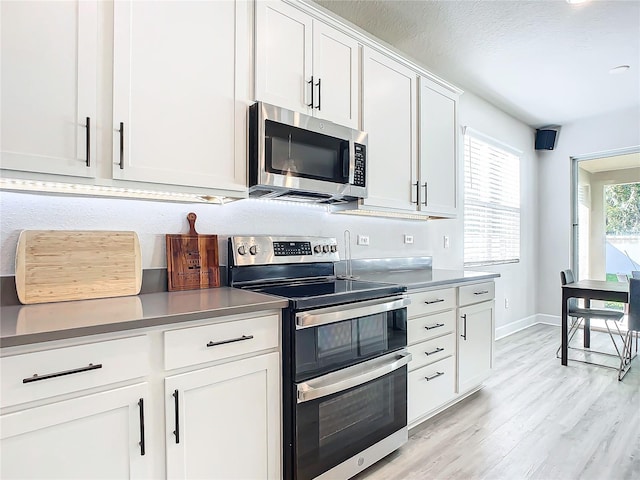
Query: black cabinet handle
319	93
37	378
481	293
431	327
233	340
121	145
88	141
464	335
429	302
176	432
417	185
142	442
310	82
435	375
426	195
437	350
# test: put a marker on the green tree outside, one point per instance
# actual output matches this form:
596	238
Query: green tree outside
623	209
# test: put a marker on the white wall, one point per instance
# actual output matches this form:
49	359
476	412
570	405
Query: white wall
152	220
518	280
589	136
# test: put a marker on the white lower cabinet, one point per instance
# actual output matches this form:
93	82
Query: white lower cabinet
223	422
430	387
93	436
475	344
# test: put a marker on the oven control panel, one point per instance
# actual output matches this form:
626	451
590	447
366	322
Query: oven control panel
269	250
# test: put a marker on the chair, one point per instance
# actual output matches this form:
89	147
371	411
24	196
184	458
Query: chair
632	328
578	316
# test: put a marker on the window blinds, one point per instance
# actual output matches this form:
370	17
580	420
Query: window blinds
491	203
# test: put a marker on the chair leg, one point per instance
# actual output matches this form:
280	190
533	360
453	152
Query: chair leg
625	360
573	329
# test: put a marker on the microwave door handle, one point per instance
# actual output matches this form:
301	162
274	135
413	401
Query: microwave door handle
351	376
346	161
323	316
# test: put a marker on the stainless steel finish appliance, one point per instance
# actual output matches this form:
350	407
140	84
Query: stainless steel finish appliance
301	158
344	355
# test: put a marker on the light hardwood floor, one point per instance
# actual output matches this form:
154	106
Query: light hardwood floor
533	419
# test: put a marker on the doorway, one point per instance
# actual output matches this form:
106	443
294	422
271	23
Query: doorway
606	217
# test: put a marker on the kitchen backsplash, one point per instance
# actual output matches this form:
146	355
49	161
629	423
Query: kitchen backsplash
152	220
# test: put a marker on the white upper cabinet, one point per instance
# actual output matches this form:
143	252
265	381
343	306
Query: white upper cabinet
49	98
438	150
178	68
389	117
305	65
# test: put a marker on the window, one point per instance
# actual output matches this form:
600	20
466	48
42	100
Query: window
491	201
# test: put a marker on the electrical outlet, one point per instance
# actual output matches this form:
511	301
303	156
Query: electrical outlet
408	239
446	241
506	303
363	240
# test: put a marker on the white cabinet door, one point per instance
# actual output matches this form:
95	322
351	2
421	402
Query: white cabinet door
389	117
283	56
438	152
223	422
96	436
48	62
475	344
176	116
336	73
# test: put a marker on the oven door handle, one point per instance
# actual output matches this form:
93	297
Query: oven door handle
351	376
323	316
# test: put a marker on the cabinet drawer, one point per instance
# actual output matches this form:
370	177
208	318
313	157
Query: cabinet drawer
479	292
38	375
429	387
430	326
431	351
190	346
423	303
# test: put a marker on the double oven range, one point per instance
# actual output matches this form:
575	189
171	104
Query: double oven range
344	355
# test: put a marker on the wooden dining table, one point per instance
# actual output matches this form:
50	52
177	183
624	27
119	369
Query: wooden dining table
588	290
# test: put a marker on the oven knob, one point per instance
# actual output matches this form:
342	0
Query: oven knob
334	248
253	250
242	250
317	249
325	248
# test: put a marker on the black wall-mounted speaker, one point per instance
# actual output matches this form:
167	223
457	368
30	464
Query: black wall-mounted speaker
545	139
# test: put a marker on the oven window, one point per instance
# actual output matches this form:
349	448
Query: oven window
331	429
327	348
301	153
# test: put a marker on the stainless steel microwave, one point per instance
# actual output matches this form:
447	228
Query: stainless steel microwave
298	157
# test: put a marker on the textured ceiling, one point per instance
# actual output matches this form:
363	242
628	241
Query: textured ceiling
620	162
545	62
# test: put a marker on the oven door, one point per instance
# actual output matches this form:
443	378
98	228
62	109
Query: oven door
341	414
332	338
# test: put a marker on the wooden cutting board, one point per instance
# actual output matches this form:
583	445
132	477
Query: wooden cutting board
192	259
60	265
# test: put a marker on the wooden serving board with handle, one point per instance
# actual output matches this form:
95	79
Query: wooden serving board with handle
61	265
192	259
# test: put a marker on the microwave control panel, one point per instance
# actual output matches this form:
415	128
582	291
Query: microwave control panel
359	173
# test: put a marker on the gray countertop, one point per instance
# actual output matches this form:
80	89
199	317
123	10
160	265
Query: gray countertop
26	324
415	279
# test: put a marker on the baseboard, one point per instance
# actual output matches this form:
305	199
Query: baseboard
513	327
548	319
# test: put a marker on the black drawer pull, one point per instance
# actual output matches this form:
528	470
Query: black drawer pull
176	432
437	350
435	375
429	302
121	145
437	325
37	378
310	82
233	340
481	293
142	442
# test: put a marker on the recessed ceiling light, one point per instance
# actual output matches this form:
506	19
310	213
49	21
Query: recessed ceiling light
619	69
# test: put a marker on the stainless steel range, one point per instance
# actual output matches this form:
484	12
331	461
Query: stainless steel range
344	355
